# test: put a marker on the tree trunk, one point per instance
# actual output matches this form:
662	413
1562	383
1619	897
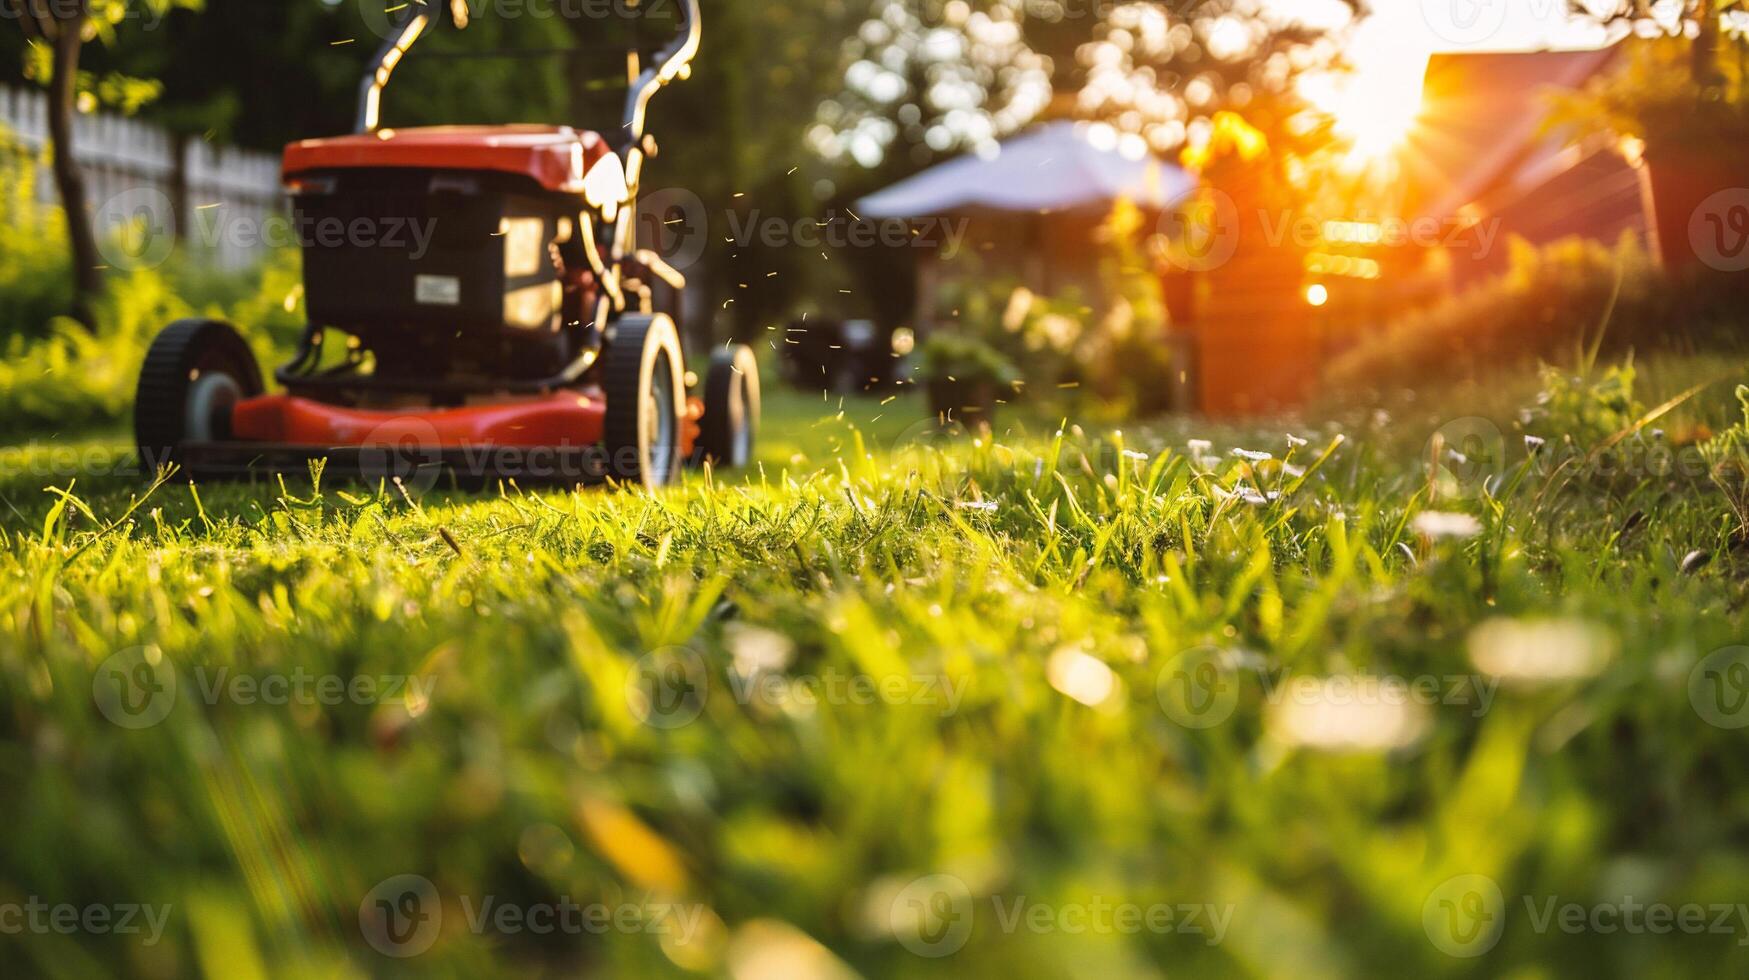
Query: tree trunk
63	103
1705	49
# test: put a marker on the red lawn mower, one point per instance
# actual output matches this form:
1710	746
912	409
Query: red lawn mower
517	338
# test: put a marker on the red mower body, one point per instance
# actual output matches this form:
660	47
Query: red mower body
557	158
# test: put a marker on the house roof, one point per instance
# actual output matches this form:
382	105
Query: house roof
1481	132
1056	167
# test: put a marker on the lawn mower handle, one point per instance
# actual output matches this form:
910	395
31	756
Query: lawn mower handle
673	61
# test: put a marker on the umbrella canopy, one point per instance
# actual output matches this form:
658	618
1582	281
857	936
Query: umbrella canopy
1061	166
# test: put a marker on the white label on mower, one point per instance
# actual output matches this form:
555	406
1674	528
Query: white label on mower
437	290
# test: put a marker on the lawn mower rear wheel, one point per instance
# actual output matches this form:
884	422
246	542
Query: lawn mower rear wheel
731	407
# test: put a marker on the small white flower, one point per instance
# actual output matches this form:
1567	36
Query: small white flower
1436	525
987	506
1294	471
1454	456
1295	442
1534	444
1251	455
1138	457
1200	447
1081	677
1541	651
756	651
1347	714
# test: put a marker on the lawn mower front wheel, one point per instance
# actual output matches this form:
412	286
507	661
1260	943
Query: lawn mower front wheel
196	372
642	377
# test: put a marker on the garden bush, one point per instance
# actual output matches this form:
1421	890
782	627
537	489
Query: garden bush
34	281
67	379
1570	299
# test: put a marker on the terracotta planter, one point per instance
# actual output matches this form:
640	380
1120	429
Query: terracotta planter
1698	203
971	403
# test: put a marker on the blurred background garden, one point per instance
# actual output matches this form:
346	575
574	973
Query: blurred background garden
1152	376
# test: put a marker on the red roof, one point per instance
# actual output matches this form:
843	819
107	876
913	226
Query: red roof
1482	125
556	157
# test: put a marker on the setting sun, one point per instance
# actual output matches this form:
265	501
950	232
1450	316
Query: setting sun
1376	104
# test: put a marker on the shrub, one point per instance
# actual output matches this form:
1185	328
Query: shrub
1570	297
74	379
34	282
1585	409
1118	353
1728	458
57	376
960	357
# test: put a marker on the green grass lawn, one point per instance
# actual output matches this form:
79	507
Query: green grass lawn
1045	703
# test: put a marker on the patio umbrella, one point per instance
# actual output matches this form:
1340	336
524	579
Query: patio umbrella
1060	166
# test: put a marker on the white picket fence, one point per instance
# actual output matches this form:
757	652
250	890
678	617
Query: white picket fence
226	193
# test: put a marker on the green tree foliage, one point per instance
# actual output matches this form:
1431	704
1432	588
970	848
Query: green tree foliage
931	79
56	32
1715	29
1163	71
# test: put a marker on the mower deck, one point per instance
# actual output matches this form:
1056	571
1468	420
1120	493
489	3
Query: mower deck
549	440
